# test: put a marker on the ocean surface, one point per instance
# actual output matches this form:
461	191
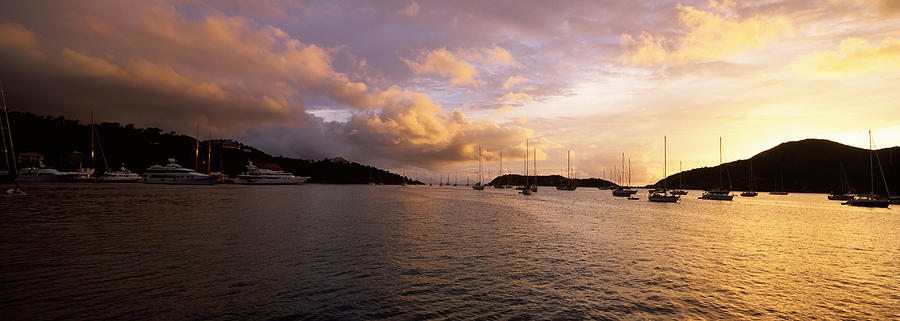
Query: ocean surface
135	251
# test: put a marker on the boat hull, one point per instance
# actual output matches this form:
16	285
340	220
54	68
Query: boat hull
663	198
678	192
262	181
749	194
717	197
868	203
778	193
45	178
839	197
182	181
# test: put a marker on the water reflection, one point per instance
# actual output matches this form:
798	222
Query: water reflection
373	252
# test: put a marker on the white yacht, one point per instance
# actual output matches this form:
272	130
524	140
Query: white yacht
43	174
173	173
123	175
262	176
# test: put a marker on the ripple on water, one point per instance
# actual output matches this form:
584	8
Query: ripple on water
80	251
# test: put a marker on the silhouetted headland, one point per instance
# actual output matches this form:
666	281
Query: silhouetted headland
809	165
65	144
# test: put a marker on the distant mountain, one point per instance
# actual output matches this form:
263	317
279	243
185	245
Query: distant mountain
65	144
809	165
549	180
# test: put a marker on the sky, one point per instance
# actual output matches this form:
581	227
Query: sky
417	86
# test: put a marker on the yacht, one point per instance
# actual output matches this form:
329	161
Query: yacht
173	173
721	193
871	200
570	182
43	174
262	176
122	175
662	195
626	190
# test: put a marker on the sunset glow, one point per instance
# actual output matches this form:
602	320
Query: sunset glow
415	86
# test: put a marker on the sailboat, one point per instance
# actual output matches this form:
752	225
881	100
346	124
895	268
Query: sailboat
498	184
680	190
478	186
570	183
720	193
122	175
663	195
624	191
526	189
845	192
751	192
775	190
9	152
871	200
534	163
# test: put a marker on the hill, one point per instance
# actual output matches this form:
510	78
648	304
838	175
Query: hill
548	180
65	144
809	165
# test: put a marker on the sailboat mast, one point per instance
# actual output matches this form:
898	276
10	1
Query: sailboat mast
209	153
534	163
197	151
665	178
871	166
92	139
8	133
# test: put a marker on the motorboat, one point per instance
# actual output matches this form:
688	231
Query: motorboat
172	173
122	175
868	201
43	174
254	175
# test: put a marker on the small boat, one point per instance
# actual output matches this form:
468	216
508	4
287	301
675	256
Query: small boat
845	186
775	190
43	174
478	186
720	193
526	189
867	201
122	175
751	192
570	182
254	175
662	195
15	191
172	173
870	200
623	191
680	190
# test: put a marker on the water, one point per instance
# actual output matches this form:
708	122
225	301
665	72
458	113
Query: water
133	251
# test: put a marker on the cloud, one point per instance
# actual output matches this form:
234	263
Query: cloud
518	97
411	10
16	38
444	62
854	56
884	7
498	55
705	35
512	81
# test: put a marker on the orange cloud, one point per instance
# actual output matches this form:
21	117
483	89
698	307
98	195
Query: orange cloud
706	35
855	56
15	37
498	55
518	97
410	123
444	62
512	81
